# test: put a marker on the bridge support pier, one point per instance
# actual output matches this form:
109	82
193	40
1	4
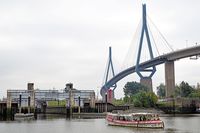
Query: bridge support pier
169	78
147	81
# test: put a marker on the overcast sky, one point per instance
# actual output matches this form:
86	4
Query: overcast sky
53	42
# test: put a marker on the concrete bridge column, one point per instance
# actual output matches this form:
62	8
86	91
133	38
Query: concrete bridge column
147	81
169	78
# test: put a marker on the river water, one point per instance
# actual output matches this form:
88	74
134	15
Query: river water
177	124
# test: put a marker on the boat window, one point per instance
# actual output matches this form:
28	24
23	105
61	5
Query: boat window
143	118
121	118
148	117
135	118
115	117
128	118
157	117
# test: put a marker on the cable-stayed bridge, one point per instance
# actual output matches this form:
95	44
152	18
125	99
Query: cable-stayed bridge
149	66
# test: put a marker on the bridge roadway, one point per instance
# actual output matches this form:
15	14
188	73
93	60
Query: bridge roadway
172	56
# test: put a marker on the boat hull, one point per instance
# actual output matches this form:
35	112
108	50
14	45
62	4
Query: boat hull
157	124
21	116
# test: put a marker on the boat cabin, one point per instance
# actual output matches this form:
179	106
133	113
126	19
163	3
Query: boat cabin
135	117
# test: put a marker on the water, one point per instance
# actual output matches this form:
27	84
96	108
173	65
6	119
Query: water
178	124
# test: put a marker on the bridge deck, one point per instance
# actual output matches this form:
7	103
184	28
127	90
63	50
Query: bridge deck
172	56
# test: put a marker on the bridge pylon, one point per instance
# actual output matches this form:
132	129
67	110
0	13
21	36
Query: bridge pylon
109	68
145	80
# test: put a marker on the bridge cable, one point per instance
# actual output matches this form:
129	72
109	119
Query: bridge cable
130	49
151	34
168	45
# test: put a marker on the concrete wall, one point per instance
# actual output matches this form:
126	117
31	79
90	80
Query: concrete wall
56	110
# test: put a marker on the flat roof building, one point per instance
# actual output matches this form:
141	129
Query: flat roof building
36	96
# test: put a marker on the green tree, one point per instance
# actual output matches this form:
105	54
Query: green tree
161	90
144	99
195	94
137	94
126	99
183	90
152	99
177	91
132	88
140	99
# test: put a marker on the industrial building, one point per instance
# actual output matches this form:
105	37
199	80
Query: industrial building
37	96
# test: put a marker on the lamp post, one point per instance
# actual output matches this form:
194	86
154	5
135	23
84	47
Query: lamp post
106	106
79	104
20	101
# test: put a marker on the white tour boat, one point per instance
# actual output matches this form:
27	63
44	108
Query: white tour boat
138	120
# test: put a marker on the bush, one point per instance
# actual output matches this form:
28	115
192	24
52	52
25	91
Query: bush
118	102
144	99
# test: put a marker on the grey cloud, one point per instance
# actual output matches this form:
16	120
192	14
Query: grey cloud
52	42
